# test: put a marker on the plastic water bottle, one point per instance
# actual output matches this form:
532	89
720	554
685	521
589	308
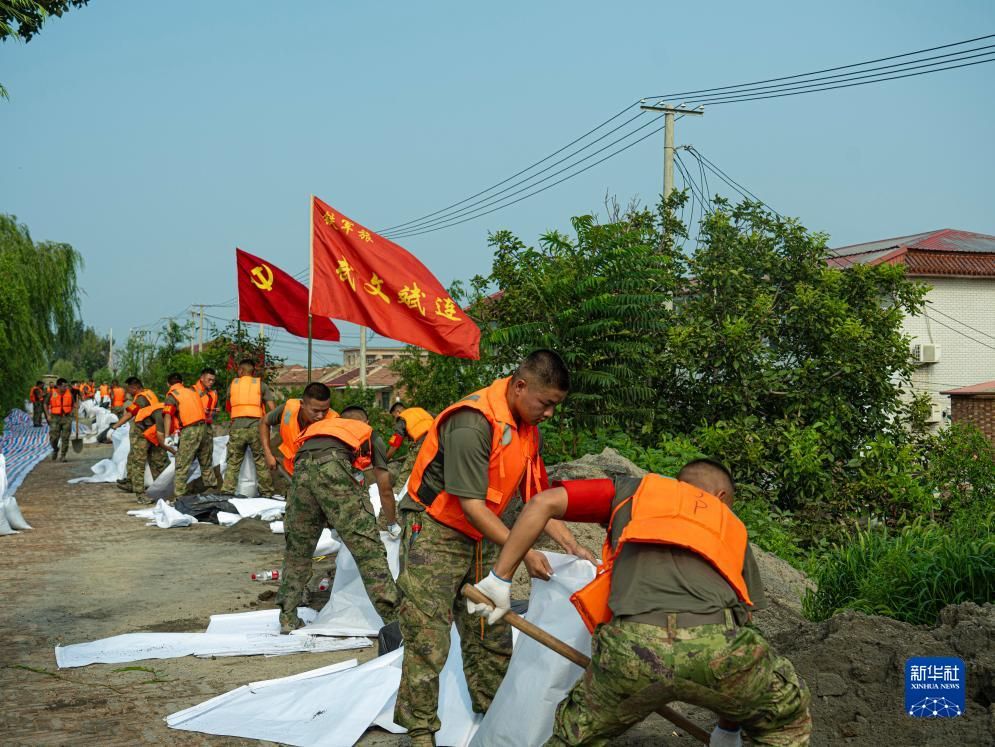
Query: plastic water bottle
325	584
266	576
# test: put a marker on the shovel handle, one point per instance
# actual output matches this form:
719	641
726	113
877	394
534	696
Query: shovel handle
569	652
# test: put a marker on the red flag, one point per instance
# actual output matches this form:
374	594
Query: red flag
362	277
268	295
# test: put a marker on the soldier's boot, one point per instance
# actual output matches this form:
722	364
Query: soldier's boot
422	740
125	485
290	621
55	452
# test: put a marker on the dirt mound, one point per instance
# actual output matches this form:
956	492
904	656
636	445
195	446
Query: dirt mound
251	532
855	667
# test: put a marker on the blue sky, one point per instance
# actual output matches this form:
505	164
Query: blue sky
156	137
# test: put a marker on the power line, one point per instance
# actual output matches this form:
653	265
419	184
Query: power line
961	322
959	332
682	94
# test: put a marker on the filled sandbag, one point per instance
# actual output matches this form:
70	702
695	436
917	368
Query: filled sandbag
12	512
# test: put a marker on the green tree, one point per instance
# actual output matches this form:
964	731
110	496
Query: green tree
22	19
39	303
85	348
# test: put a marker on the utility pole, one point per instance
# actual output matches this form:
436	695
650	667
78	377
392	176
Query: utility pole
110	350
261	330
193	330
200	333
668	138
362	357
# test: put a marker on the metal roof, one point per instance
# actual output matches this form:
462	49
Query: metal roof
987	387
944	252
943	240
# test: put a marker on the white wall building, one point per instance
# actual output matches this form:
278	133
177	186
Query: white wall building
953	340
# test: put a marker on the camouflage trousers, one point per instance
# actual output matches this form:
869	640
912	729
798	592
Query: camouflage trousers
37	413
60	429
324	493
636	668
240	438
196	443
119	411
140	451
439	561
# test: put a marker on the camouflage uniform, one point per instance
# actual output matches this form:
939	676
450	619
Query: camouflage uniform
637	667
196	442
244	433
141	451
324	492
60	428
439	560
37	413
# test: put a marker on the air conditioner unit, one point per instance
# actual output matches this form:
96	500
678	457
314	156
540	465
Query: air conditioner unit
935	414
923	353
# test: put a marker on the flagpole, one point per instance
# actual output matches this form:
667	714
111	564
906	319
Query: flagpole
310	282
362	357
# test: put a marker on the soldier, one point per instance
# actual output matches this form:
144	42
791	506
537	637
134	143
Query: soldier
291	418
204	386
411	423
37	397
669	610
184	410
59	411
118	396
246	397
479	454
327	489
147	438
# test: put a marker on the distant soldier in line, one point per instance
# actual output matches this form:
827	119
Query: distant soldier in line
147	437
330	454
184	411
37	397
105	394
411	423
60	409
118	396
247	395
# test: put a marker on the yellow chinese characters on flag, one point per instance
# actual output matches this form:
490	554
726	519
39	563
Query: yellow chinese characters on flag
359	276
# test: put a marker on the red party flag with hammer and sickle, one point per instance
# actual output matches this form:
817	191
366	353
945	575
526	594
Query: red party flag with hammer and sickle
359	276
268	295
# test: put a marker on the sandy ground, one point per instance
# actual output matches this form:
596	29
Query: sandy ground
89	571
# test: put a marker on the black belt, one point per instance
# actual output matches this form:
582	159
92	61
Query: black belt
682	619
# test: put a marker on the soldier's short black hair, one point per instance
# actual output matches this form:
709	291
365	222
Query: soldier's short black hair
208	370
60	382
546	368
174	378
318	391
38	383
353	410
396	405
708	474
133	381
247	362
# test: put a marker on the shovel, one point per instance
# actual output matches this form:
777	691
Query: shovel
77	441
569	652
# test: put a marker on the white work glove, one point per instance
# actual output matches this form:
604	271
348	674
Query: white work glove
722	738
394	530
496	589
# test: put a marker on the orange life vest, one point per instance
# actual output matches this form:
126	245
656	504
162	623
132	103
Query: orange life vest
150	433
245	395
354	434
105	391
290	430
669	512
37	394
61	403
189	408
416	422
514	458
117	396
209	398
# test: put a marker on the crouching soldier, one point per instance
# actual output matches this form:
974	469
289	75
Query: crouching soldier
668	608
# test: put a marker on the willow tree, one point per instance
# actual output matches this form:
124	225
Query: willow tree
39	305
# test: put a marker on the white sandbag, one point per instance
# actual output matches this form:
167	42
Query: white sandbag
13	513
349	610
139	646
332	709
164	486
258	507
227	519
536	671
115	468
165	516
255	622
5	527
